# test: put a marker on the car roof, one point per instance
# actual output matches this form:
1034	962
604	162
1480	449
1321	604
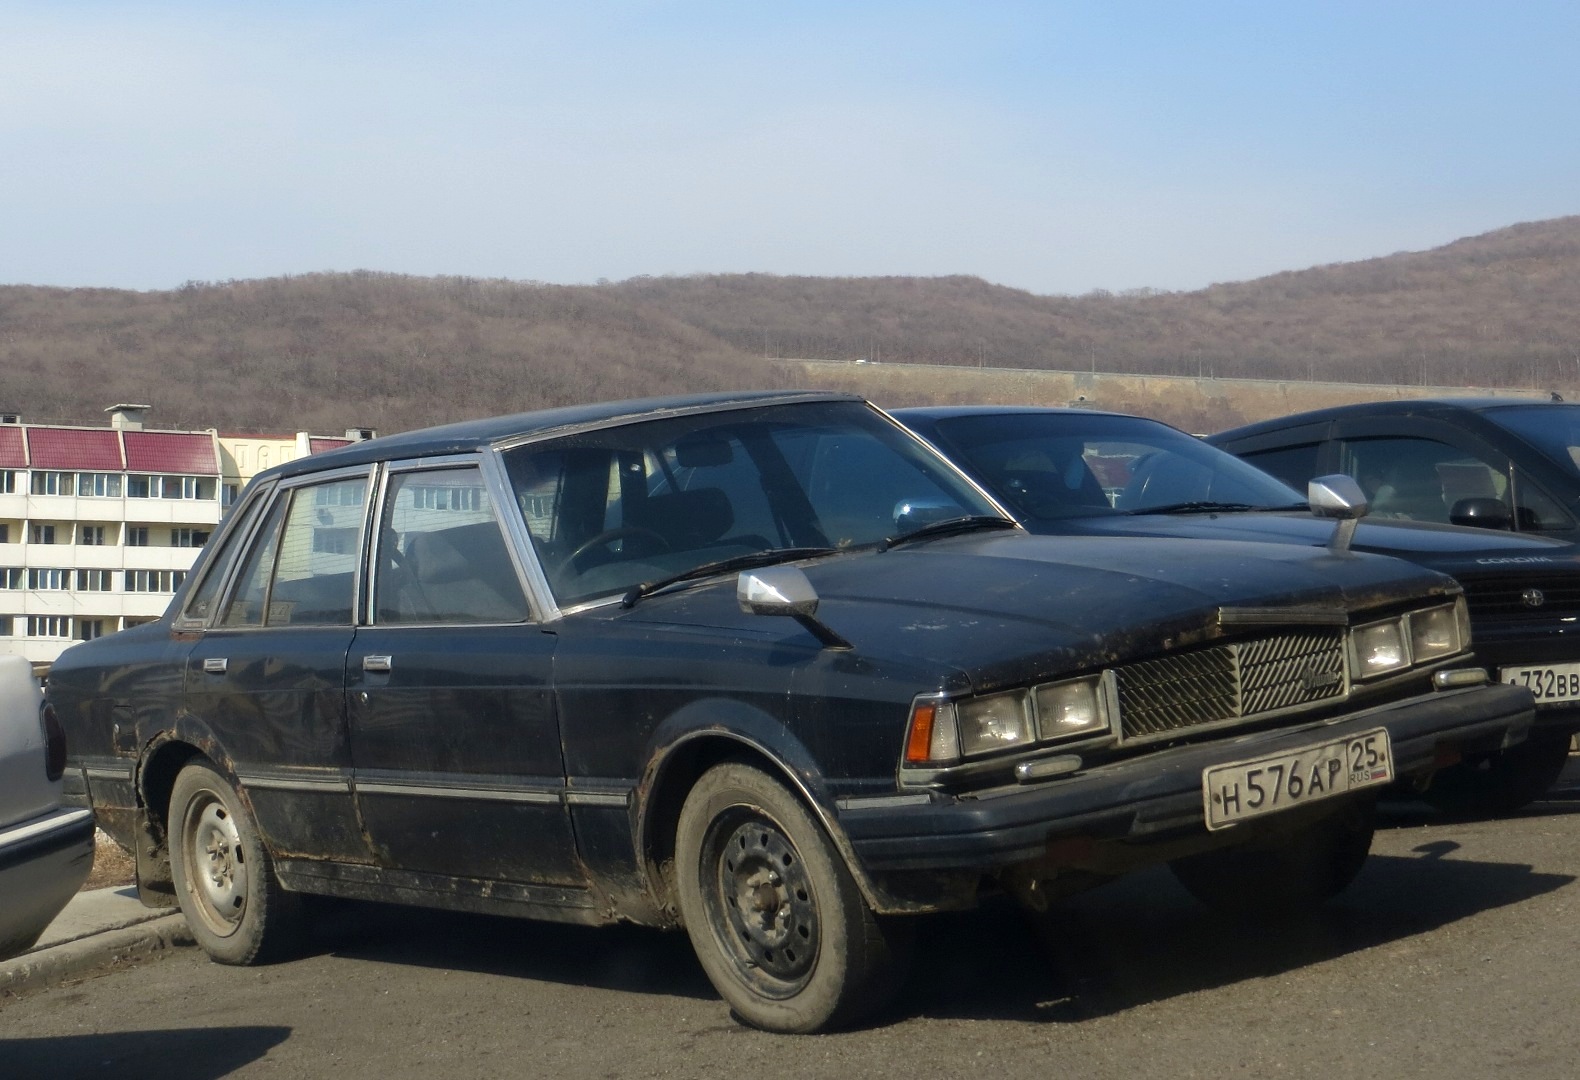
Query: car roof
473	435
1431	406
946	412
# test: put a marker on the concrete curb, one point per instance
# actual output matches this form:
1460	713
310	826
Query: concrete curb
48	967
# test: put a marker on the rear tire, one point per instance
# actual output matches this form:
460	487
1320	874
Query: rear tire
1505	781
224	879
1287	874
774	915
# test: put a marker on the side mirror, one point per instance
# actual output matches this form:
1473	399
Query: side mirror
776	590
1341	498
912	514
785	590
1481	513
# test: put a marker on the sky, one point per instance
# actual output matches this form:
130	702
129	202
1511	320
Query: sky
1057	147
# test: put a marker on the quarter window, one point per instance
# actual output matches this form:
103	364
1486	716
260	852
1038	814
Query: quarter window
288	579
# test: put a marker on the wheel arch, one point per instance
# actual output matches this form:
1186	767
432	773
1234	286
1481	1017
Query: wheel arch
675	770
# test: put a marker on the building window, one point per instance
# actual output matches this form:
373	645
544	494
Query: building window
188	537
88	629
139	487
10	577
5	626
228	493
338	495
58	626
7	481
5	533
137	536
100	485
154	581
43	534
42	579
91	535
51	483
93	581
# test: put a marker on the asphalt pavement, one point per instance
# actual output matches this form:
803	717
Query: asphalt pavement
101	929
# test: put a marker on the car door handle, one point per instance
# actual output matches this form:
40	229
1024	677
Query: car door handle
375	663
215	665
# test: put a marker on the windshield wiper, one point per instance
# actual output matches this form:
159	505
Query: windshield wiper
723	566
1197	507
949	527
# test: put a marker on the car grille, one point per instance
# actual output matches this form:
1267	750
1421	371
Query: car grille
1230	682
1501	597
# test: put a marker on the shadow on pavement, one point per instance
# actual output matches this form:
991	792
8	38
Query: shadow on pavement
1142	939
171	1054
616	957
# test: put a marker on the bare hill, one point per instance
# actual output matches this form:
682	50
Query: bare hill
327	351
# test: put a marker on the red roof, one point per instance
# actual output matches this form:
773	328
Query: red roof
97	450
170	452
12	453
317	445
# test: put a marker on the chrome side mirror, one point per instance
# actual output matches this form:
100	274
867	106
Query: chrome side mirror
911	514
785	590
776	590
1339	497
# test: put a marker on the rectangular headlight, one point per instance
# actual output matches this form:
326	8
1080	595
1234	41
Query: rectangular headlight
1069	709
1435	633
994	722
1380	648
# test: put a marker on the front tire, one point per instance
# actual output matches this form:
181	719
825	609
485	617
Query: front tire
224	879
773	913
1288	874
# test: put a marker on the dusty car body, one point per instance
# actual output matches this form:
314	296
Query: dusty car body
46	847
1139	477
764	666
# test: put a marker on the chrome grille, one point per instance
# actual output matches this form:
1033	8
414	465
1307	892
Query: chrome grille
1230	682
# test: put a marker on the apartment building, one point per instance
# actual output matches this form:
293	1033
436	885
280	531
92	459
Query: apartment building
99	525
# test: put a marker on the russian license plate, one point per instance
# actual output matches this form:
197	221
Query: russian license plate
1554	684
1247	789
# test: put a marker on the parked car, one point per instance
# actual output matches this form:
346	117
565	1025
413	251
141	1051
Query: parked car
46	848
764	666
1492	463
1078	472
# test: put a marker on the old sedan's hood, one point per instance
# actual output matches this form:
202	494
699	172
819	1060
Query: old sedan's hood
1447	548
1007	608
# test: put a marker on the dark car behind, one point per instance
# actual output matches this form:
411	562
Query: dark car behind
1078	472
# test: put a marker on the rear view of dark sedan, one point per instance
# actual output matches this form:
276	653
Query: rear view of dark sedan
1080	472
764	667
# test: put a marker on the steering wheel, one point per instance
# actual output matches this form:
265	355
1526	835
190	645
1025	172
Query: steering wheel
609	536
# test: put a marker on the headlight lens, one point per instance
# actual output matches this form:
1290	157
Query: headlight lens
995	722
1380	648
1435	633
1071	709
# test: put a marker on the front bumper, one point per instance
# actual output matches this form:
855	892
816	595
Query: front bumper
1155	795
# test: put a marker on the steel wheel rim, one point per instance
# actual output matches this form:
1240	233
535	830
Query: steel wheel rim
762	904
216	877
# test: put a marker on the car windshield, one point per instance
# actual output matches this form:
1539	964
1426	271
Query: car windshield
615	508
1052	465
1552	429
